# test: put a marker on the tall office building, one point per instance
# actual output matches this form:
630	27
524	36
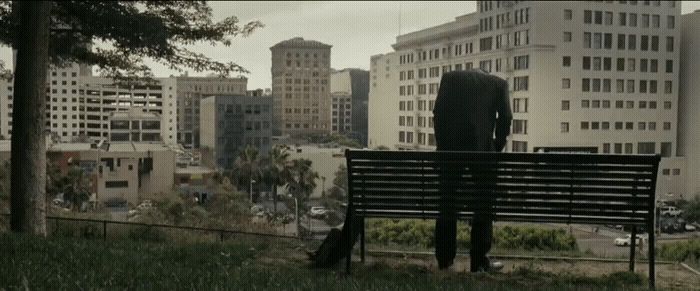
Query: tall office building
689	101
341	112
230	123
355	82
190	91
301	87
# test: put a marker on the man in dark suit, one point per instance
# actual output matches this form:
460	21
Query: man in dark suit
470	106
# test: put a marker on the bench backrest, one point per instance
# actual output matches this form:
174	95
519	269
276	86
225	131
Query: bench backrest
537	187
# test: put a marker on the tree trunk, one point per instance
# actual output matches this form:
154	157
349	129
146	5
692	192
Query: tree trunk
28	157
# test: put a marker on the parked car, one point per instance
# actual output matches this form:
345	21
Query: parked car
627	240
690	227
670	211
146	204
318	211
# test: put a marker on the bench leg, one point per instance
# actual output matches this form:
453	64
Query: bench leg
633	246
362	242
652	257
349	221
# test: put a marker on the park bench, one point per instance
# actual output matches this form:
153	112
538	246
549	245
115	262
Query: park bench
595	189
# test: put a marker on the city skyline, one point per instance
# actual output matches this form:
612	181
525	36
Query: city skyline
329	23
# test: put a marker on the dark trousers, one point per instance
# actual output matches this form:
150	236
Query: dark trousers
481	239
446	224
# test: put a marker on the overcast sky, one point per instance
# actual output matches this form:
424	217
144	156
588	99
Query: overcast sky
356	30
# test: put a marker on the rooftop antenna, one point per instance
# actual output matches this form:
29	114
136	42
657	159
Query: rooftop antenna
400	4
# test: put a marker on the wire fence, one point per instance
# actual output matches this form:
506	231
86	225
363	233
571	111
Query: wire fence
110	229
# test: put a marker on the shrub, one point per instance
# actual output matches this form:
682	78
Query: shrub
421	233
681	251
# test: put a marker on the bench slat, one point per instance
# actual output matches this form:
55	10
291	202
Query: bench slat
511	217
357	155
648	176
436	166
427	180
518	197
503	210
378	189
474	204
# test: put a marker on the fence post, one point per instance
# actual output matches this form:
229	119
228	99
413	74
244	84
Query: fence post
104	230
633	247
221	235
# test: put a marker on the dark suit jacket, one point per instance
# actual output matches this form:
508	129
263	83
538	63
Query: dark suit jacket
470	105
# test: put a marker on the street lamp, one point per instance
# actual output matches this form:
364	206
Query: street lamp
251	190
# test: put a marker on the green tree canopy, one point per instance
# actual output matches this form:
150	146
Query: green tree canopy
118	36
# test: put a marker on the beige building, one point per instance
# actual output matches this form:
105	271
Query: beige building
301	87
190	91
689	101
129	171
126	170
589	77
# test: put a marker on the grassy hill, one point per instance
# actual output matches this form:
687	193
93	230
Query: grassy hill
250	264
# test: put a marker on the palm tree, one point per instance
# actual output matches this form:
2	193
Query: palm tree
278	170
247	166
303	180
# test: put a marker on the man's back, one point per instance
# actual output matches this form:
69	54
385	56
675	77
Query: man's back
465	112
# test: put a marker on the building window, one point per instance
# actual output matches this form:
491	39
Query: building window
671	22
568	14
666	149
669	43
565	105
519	126
646	148
587	40
116	184
587	16
584	125
566	61
521	62
565	83
622	18
567	36
520	105
564	127
519	146
586	85
520	83
667	126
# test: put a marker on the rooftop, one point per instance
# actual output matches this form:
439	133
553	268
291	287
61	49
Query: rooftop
301	43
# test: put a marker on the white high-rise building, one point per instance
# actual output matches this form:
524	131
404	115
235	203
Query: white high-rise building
594	76
591	76
689	101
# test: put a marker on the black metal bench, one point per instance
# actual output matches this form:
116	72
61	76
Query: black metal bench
523	187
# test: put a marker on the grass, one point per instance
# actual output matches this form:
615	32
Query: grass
251	264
